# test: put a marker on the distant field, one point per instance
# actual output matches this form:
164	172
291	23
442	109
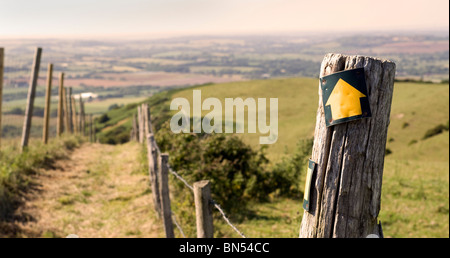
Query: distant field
162	79
101	106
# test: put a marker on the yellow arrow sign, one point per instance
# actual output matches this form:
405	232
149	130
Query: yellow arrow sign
344	101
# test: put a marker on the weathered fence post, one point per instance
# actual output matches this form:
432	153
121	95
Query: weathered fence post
74	115
30	99
60	122
82	117
141	124
203	209
153	173
69	111
91	131
48	95
66	112
346	187
134	130
2	60
165	195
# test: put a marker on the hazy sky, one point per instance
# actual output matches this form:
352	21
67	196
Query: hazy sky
147	17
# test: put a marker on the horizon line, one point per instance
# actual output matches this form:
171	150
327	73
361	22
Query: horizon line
174	34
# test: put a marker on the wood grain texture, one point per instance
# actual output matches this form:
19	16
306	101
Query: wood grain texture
345	199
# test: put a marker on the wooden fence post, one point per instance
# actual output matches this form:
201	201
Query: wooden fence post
2	60
60	122
203	209
346	188
66	112
141	124
74	115
48	95
153	173
82	117
91	131
164	192
134	130
69	110
30	99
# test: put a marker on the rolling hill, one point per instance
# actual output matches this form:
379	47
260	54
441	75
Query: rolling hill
416	183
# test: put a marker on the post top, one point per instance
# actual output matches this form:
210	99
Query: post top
201	183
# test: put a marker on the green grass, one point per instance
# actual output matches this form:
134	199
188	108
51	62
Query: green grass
16	167
415	185
297	105
101	106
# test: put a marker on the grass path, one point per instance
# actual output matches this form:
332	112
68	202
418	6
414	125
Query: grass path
100	191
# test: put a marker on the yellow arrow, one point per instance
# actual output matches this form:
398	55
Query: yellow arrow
344	101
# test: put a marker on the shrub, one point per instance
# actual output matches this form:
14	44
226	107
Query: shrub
435	131
387	151
236	172
286	174
103	118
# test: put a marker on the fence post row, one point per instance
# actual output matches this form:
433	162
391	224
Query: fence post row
2	60
203	209
346	188
30	98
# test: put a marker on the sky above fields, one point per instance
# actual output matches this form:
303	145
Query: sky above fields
43	18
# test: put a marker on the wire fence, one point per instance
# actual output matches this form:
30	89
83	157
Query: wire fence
179	177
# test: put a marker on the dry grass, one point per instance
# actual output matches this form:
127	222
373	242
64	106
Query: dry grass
101	191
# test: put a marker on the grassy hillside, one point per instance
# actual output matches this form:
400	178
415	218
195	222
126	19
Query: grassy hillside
416	183
16	170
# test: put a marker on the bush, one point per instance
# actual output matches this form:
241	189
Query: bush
15	111
236	172
435	131
286	174
117	135
103	118
114	106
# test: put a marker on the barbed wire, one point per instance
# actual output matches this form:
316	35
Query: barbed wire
178	225
180	178
217	206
